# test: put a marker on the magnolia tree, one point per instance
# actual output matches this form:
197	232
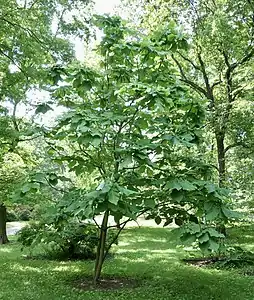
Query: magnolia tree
128	120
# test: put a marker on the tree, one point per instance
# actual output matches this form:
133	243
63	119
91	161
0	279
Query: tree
3	235
28	47
218	64
128	123
12	173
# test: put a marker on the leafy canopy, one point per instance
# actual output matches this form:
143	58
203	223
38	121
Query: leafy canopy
131	125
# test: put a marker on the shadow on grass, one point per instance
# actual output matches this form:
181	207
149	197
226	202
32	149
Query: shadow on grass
149	255
10	248
242	236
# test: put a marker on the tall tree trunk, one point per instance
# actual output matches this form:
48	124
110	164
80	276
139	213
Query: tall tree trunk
220	138
220	141
100	255
3	219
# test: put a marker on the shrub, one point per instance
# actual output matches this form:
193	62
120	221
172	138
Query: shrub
236	257
72	240
11	215
39	210
19	213
23	213
29	234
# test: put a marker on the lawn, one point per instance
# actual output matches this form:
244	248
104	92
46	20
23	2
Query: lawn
149	255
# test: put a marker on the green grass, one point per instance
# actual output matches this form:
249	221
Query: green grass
147	254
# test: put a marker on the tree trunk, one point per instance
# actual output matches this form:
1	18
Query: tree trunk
118	226
100	255
220	137
3	218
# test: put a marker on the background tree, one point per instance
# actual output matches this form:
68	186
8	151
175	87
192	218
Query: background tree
34	35
217	67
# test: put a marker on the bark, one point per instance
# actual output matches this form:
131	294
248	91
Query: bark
101	248
220	139
221	153
118	226
3	219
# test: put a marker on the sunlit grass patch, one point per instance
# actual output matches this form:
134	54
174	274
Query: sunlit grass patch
148	255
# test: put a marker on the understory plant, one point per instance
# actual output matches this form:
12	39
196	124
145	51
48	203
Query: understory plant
61	240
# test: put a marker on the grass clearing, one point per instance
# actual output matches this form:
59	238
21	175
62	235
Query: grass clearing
148	255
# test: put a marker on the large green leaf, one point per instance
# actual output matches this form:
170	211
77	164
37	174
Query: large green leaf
179	184
203	238
194	228
26	188
150	203
187	186
230	214
213	213
173	184
188	238
214	233
210	188
127	192
127	161
213	245
177	196
113	196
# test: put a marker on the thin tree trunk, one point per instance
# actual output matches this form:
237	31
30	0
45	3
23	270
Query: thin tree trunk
100	255
220	140
220	137
3	219
118	226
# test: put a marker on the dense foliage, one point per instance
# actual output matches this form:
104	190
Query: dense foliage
61	241
217	66
34	35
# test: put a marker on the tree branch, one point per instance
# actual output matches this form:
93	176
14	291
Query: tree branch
114	240
233	66
28	30
96	223
215	167
235	145
238	90
205	77
215	84
123	224
30	139
190	61
99	166
195	86
13	61
33	4
14	120
228	75
246	58
53	187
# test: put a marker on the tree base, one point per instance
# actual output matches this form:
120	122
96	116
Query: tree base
3	240
104	284
3	219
